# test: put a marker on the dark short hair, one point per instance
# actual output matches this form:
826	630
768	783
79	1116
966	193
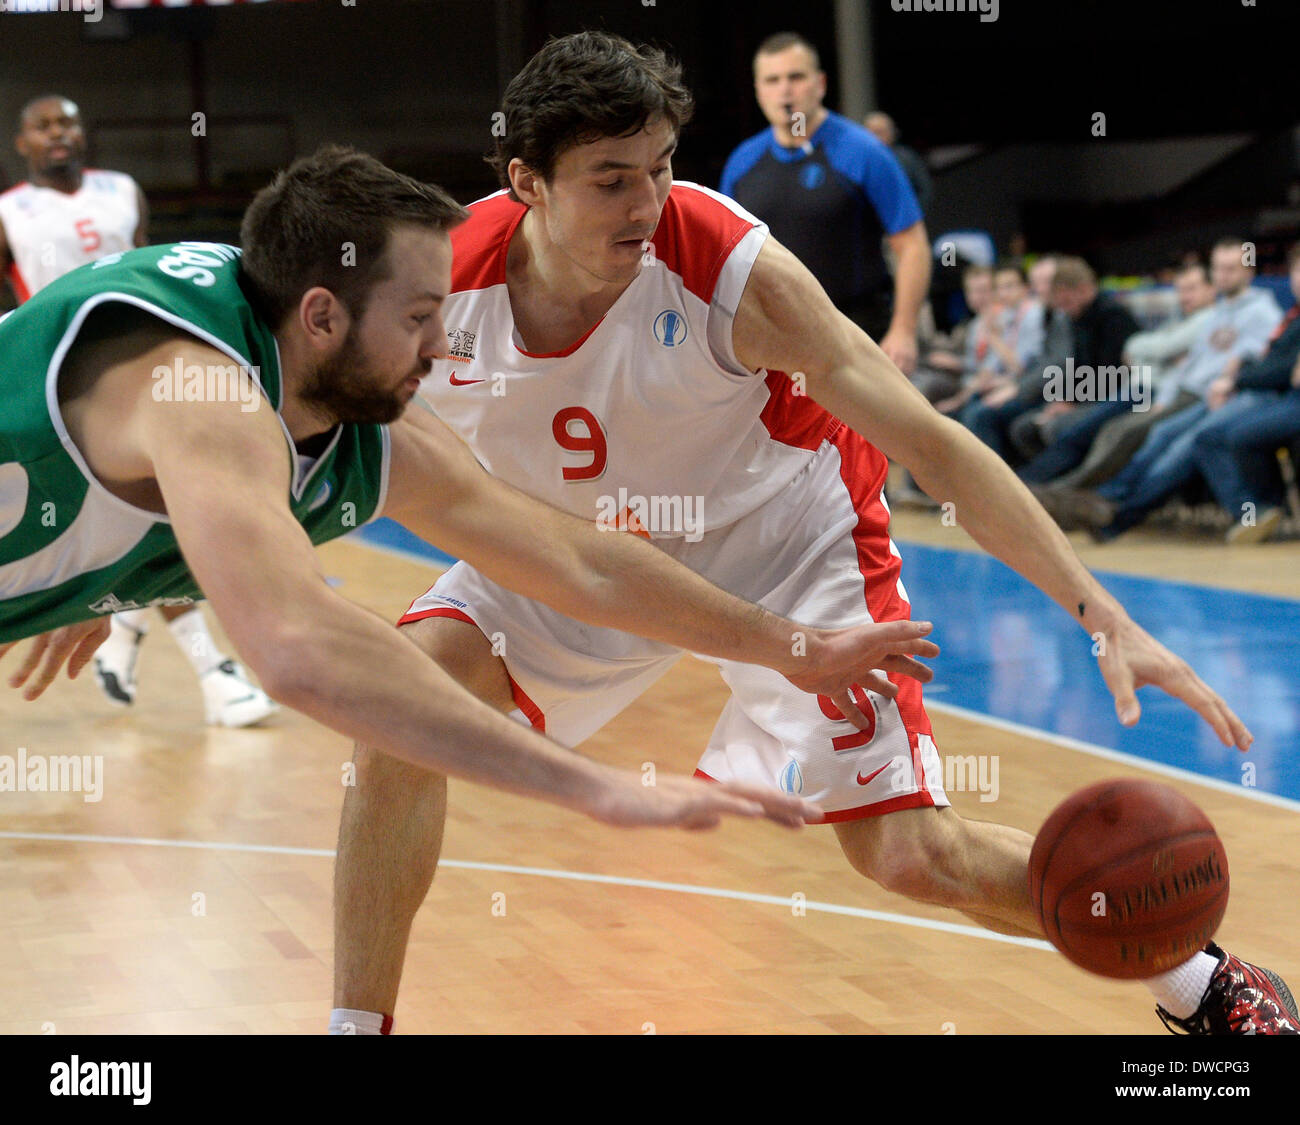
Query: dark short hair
784	40
581	88
32	103
1012	267
1229	243
1193	266
296	230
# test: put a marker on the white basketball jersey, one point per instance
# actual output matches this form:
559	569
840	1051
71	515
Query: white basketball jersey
51	233
649	421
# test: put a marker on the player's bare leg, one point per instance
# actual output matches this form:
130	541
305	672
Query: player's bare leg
933	855
390	834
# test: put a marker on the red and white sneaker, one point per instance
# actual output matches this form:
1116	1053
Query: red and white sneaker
1242	999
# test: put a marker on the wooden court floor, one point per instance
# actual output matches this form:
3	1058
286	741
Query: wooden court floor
138	931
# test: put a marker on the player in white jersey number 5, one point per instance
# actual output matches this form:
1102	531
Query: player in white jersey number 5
646	356
63	216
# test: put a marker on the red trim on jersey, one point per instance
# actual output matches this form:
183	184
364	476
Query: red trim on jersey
19	285
386	1024
695	236
796	419
566	351
531	711
479	244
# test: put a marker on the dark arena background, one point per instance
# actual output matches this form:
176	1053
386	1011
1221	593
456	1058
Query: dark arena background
1133	140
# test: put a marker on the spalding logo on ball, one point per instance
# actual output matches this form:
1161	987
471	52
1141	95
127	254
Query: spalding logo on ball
1129	879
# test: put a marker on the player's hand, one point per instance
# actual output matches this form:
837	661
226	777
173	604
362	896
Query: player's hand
836	659
900	346
75	644
685	802
1131	658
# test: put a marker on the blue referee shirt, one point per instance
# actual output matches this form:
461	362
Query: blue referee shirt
830	202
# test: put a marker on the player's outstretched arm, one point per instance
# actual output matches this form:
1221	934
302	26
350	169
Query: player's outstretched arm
224	478
786	322
439	491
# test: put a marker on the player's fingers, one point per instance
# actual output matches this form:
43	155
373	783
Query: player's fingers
848	706
87	648
4	649
30	662
915	648
783	807
1119	681
1196	693
59	649
906	666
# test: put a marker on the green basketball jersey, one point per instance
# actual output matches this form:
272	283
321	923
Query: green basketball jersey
69	549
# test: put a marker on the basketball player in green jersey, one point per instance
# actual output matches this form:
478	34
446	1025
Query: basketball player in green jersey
183	422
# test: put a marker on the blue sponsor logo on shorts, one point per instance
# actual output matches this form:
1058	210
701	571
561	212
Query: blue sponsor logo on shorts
791	779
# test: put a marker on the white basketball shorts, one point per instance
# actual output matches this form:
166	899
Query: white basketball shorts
820	554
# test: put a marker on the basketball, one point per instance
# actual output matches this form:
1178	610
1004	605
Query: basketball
1129	878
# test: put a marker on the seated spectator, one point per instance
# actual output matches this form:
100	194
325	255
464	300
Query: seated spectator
1041	336
1056	438
1153	355
1237	454
1243	322
940	371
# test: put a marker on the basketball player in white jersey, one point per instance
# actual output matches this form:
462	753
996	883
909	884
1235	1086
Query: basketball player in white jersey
64	216
617	344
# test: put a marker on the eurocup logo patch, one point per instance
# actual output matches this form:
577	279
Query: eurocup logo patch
791	779
670	328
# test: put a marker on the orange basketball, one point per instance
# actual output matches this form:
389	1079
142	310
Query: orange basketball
1129	878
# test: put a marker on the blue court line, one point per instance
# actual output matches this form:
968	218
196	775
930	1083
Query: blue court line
1012	654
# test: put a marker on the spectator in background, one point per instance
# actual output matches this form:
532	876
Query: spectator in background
1242	323
64	216
1236	452
1018	338
914	167
992	423
1056	438
1012	335
830	192
944	370
1157	352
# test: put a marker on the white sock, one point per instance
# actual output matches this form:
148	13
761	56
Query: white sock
137	619
1180	990
349	1021
191	633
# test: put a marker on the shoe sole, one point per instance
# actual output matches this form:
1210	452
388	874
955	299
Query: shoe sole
1283	992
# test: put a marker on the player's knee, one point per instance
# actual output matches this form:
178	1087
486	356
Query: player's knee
465	654
914	854
391	783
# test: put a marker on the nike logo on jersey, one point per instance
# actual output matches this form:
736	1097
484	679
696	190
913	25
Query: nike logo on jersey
464	382
867	780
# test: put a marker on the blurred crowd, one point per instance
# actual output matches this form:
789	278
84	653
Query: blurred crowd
1109	421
